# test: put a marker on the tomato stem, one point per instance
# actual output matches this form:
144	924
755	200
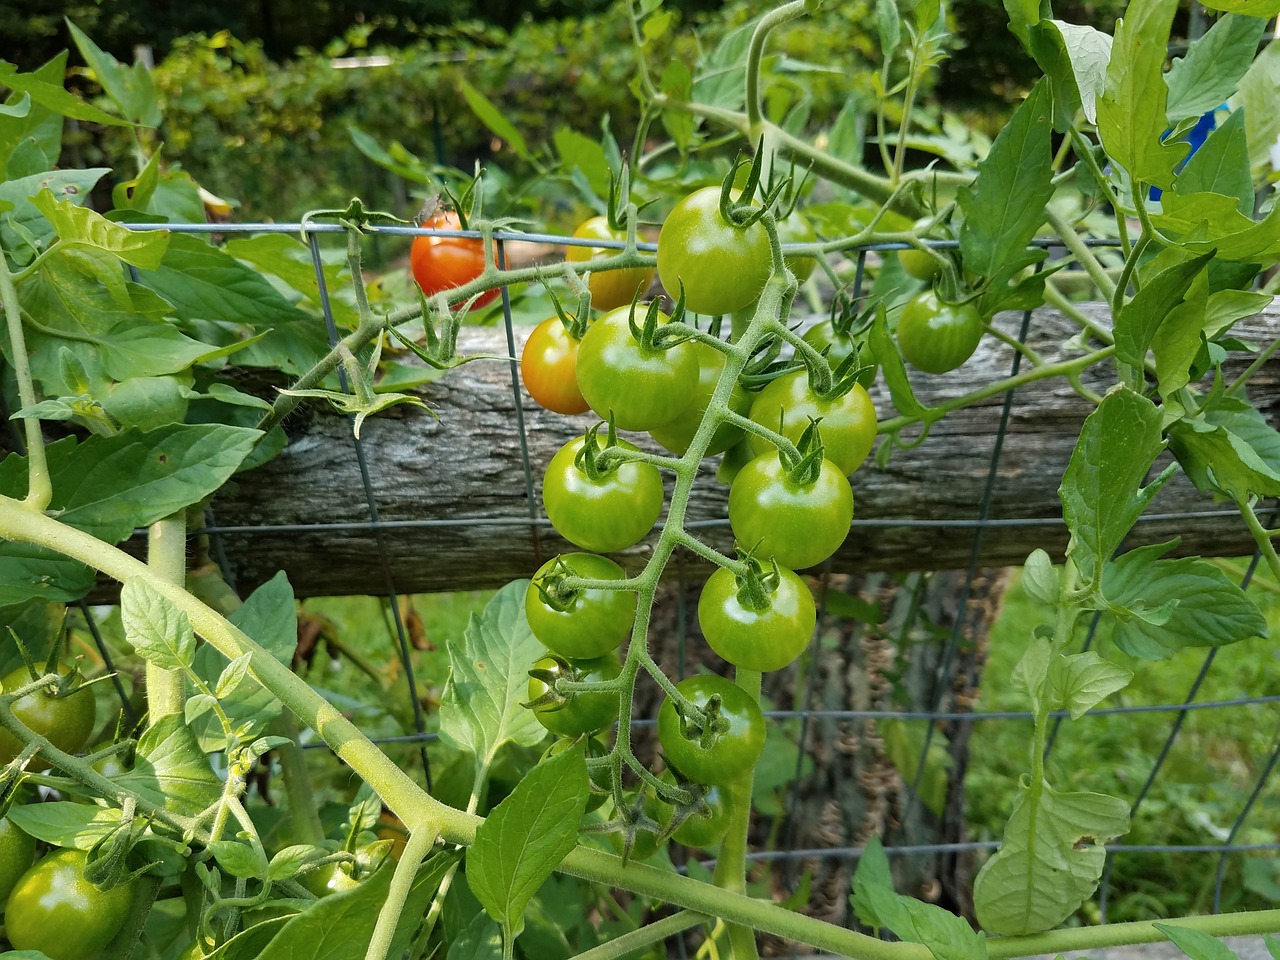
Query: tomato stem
167	556
39	484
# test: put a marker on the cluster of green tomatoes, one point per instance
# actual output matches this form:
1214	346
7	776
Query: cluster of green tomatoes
790	503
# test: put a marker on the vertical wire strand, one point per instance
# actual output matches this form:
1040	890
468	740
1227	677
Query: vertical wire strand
393	597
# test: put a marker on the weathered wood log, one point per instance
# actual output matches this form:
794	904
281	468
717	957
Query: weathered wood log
457	500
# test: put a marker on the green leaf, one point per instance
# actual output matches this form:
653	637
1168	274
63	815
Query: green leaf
29	572
871	874
205	284
481	939
65	823
885	349
238	858
524	838
1081	681
488	114
1221	165
340	926
110	486
84	227
1004	207
1257	95
1250	8
52	96
1209	73
582	153
677	84
1140	318
1040	578
1212	223
130	88
1232	450
31	137
480	708
889	27
22	221
1131	111
1206	608
1086	52
141	348
158	631
1102	493
1049	861
1196	944
720	81
1031	672
270	617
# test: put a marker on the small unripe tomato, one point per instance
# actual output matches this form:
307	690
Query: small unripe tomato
610	289
936	336
65	721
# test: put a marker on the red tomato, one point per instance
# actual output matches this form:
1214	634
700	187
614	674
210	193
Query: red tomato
442	263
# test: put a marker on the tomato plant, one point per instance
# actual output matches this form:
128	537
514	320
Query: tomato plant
54	909
848	421
585	622
797	520
723	266
675	435
549	368
936	336
442	263
725	744
796	228
600	508
760	626
610	289
580	714
65	720
623	374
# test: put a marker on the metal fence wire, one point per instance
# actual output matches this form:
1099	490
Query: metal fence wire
1233	856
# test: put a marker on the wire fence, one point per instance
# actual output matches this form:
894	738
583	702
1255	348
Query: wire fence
1216	860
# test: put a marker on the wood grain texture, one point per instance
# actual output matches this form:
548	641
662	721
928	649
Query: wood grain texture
457	499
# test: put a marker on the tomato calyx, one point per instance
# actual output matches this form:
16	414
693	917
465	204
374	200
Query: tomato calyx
553	589
575	324
756	586
735	205
702	726
805	465
598	462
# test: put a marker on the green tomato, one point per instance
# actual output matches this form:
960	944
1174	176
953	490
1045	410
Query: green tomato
641	388
726	752
676	435
55	910
611	513
799	525
585	713
763	640
610	289
601	782
589	624
848	425
17	852
839	346
936	336
66	721
723	266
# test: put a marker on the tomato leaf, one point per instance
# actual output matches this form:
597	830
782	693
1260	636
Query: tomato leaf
1256	94
1221	165
1004	207
22	225
66	823
1079	682
1102	493
51	95
34	573
524	838
238	858
1132	108
480	708
1077	86
677	83
488	114
1201	606
1212	68
1196	944
1040	578
1140	318
1251	8
158	631
270	617
206	285
871	878
130	88
720	81
1232	450
81	226
481	939
1049	861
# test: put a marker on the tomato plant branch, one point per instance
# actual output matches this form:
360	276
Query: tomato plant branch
1075	243
419	844
167	556
649	934
39	484
755	52
1063	368
1260	535
731	862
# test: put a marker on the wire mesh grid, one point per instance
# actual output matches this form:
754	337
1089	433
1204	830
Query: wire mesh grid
1207	860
